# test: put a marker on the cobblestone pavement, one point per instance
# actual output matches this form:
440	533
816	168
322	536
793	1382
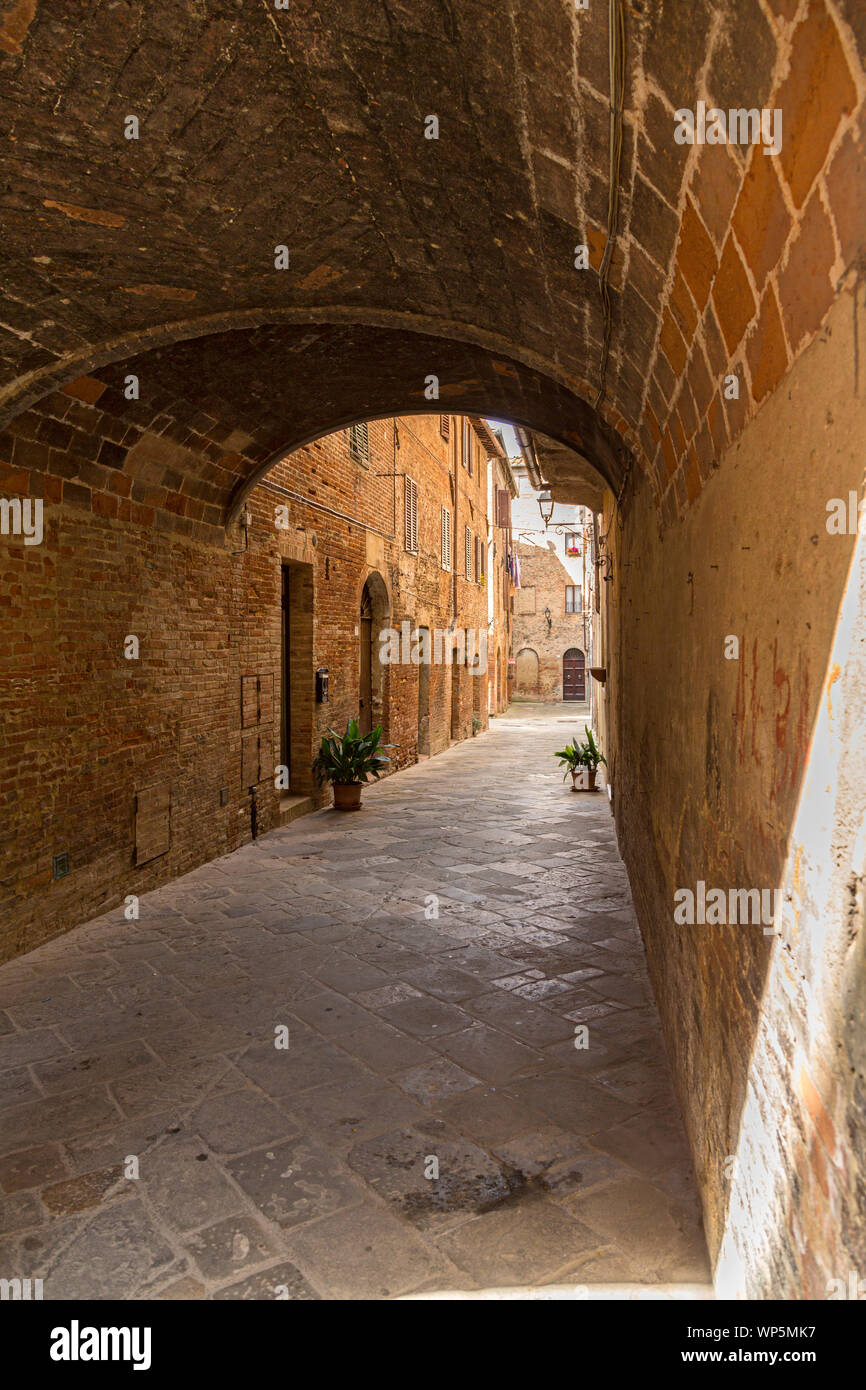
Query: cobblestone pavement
413	1040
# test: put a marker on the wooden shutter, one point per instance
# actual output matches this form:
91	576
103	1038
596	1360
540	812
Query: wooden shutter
445	426
503	508
467	551
410	515
446	539
359	442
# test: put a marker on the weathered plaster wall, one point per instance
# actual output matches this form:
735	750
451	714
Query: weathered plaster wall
711	757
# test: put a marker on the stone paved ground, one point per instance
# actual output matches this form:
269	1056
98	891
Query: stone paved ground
268	1172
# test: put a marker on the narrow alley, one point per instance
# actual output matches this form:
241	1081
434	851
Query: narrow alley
433	961
403	390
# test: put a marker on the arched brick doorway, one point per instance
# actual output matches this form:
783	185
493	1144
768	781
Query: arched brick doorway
372	682
526	672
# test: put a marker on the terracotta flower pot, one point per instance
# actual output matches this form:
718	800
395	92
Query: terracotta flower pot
590	778
347	796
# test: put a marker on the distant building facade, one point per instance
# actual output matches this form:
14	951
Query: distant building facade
554	602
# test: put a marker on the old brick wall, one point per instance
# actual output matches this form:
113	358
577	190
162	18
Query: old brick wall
86	730
748	773
543	582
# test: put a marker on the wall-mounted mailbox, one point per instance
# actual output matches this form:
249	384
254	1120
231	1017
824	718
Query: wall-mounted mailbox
322	685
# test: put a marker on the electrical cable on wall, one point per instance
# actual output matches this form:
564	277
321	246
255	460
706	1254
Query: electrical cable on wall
616	56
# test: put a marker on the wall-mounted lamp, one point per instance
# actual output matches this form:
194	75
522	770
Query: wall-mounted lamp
545	506
549	619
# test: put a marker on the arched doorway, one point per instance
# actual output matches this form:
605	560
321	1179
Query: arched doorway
526	672
365	688
574	675
456	689
371	672
423	747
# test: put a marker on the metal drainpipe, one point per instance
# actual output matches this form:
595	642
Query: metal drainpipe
454	492
394	482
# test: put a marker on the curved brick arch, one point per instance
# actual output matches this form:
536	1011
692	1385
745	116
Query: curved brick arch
215	413
108	238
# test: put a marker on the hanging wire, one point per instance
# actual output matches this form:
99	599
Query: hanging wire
616	63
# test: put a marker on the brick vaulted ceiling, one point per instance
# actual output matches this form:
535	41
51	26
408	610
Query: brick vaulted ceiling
304	126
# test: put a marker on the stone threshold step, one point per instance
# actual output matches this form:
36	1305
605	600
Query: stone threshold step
292	807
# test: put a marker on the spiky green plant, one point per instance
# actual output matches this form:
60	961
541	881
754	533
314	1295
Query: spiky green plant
591	754
351	757
571	757
577	755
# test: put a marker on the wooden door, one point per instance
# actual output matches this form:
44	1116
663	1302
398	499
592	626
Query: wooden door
365	695
574	675
455	695
285	713
424	698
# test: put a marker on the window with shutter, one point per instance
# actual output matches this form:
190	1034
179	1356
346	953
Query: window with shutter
359	443
467	446
445	426
410	515
467	551
446	539
573	599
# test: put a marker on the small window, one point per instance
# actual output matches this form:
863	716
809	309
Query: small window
445	426
479	560
446	539
359	443
467	551
573	543
573	599
467	447
410	515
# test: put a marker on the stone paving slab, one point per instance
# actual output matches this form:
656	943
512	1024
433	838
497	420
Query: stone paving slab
289	1079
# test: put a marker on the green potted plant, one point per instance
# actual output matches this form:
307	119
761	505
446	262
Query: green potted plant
349	760
591	757
571	758
577	756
